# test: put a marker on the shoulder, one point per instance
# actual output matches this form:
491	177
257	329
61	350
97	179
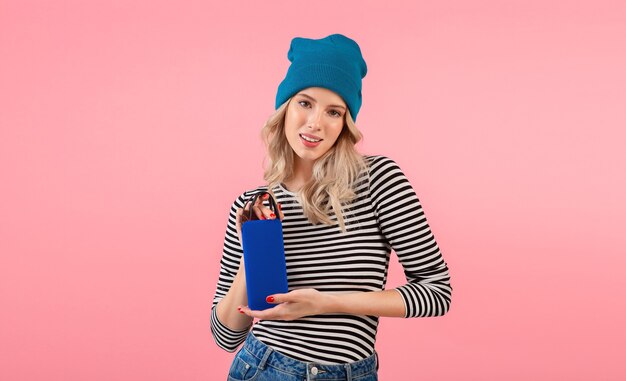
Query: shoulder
378	164
384	173
377	158
386	179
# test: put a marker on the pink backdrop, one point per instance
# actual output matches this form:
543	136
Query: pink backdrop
128	127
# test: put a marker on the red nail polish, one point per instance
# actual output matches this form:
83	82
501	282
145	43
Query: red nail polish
273	215
279	207
270	299
266	196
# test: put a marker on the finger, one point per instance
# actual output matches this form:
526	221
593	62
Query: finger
246	212
281	215
276	213
240	216
278	298
258	210
247	311
263	210
268	314
267	212
249	211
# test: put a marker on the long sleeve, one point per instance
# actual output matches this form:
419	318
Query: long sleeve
400	215
225	337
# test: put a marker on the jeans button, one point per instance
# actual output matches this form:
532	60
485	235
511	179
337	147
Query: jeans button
314	371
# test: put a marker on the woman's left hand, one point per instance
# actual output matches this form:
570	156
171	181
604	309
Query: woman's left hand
292	305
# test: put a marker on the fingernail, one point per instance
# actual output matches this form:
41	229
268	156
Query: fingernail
273	215
270	299
263	218
266	196
279	207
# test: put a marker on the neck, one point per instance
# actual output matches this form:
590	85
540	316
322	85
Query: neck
302	173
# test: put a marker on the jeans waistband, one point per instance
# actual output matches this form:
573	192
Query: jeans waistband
310	370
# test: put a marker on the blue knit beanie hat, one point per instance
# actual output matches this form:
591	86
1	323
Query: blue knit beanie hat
334	62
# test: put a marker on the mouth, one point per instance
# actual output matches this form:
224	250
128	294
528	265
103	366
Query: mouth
310	139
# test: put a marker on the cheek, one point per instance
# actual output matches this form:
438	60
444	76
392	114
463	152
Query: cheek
336	131
291	126
296	115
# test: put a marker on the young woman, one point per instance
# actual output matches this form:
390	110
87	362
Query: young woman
342	215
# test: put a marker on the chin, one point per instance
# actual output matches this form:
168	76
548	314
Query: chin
309	156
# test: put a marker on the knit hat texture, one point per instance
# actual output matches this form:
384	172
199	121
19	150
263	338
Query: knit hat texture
333	62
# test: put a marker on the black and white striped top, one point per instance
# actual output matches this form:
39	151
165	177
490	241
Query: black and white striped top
386	215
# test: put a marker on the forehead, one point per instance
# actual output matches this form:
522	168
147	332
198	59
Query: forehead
322	95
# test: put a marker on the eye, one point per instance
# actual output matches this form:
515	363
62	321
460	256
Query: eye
306	103
335	113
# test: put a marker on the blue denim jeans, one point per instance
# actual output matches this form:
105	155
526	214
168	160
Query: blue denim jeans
257	361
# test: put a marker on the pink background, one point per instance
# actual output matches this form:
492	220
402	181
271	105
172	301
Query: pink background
127	128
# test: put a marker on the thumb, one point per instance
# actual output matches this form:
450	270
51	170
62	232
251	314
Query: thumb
277	298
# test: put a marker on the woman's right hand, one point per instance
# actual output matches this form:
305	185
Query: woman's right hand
261	211
236	295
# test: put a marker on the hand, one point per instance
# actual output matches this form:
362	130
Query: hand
261	211
292	305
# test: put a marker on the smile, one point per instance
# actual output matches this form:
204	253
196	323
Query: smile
310	139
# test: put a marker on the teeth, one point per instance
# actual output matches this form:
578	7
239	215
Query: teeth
310	140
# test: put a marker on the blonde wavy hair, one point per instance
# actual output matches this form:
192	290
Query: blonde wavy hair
334	174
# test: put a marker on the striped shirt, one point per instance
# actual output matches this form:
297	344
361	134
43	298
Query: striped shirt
385	215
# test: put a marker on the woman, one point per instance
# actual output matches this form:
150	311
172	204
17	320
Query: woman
342	214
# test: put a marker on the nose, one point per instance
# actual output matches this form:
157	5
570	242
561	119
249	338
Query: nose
315	120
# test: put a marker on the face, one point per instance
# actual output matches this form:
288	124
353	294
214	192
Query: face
313	122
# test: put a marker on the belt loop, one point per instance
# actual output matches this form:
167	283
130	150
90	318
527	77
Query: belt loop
266	355
348	372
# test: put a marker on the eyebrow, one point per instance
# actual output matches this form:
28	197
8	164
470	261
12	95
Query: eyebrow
313	99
